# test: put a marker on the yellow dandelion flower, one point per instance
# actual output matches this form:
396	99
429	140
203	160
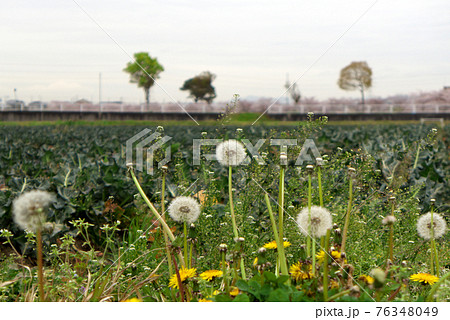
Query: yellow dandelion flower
204	300
334	284
209	275
255	262
234	292
184	275
321	256
216	292
424	278
367	279
132	300
273	245
298	271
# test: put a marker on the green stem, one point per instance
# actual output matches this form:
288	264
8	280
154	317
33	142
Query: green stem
280	244
155	212
185	241
338	295
281	203
314	256
347	216
163	210
224	271
191	247
435	269
436	286
319	178
417	155
233	217
391	235
40	265
308	238
325	266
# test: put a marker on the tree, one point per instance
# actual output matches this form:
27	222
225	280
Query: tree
200	87
144	70
294	91
357	75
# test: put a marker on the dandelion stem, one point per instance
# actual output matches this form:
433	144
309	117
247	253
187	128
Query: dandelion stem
434	253
224	271
163	211
40	265
325	266
391	235
233	217
185	241
338	295
308	238
280	244
281	203
155	212
319	178
347	216
417	155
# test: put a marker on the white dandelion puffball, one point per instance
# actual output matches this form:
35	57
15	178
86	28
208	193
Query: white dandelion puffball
29	209
230	153
424	226
184	209
316	224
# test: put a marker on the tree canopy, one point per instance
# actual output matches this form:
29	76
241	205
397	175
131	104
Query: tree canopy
200	87
356	76
144	70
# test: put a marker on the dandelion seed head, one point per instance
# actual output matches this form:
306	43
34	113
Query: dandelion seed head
29	209
317	223
230	153
424	226
184	209
389	220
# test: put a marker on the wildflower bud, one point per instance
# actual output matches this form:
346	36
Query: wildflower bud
319	162
380	277
239	130
332	248
240	239
164	168
335	226
291	207
204	133
404	263
351	170
262	250
283	158
389	220
343	255
223	247
389	262
338	231
160	128
130	164
354	290
309	168
320	289
432	201
392	198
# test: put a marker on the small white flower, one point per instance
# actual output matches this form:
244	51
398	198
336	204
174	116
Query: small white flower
29	209
315	224
230	153
184	209
424	226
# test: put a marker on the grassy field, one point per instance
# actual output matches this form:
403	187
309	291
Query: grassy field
103	238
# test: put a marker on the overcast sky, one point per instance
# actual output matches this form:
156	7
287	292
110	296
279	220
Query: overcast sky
51	49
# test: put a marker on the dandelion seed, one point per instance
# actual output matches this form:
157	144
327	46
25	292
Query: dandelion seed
424	226
230	153
184	209
317	223
29	209
424	278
